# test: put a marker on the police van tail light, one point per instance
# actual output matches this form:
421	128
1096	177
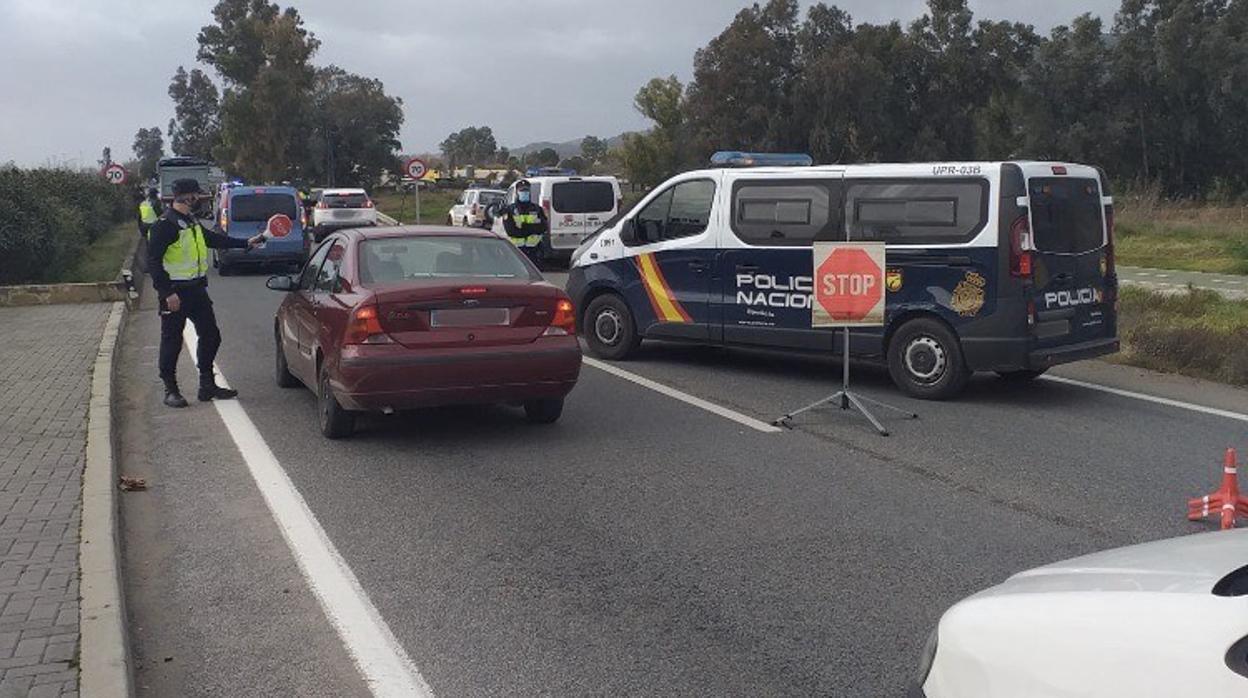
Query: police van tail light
546	207
1021	248
564	321
225	220
364	327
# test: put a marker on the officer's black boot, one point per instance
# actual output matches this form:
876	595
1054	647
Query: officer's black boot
209	390
173	397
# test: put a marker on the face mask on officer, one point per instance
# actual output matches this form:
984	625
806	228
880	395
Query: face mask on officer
523	195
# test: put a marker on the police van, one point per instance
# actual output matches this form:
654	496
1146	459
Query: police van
991	266
575	207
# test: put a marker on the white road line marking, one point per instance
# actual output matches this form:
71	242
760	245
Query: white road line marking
698	402
1143	273
1149	398
1163	276
382	661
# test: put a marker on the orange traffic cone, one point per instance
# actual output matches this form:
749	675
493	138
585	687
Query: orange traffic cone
1226	500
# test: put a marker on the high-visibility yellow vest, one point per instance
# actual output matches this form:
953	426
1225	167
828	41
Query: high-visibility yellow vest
186	259
147	212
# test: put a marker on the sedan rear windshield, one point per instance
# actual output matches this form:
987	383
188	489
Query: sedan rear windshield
583	197
345	200
1066	214
486	198
260	207
392	260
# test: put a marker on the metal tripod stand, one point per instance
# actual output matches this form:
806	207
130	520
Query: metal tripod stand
846	398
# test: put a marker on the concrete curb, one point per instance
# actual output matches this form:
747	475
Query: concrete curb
104	651
50	294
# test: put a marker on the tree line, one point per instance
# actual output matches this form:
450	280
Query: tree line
1158	96
476	145
276	116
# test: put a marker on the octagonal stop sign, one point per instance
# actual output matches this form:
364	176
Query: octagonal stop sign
849	284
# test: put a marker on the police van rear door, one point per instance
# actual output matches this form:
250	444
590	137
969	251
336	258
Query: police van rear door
577	208
1068	232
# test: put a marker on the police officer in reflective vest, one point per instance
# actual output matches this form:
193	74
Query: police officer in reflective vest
524	221
149	211
177	258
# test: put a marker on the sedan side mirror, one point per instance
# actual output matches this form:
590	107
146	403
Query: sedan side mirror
628	232
281	283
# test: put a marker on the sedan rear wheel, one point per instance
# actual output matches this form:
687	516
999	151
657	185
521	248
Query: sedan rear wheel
545	411
336	422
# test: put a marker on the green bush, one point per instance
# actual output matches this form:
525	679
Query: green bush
49	217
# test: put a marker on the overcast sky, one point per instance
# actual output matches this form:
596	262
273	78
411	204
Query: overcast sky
82	74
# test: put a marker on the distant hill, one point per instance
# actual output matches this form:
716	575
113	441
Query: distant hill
566	149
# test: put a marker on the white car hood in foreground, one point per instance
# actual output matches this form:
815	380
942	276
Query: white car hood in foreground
1136	621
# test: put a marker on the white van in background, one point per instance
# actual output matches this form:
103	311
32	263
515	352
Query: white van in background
575	206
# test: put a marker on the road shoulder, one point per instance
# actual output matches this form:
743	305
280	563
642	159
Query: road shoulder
216	601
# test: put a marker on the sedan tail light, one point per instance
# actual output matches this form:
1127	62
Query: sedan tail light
564	321
364	327
368	203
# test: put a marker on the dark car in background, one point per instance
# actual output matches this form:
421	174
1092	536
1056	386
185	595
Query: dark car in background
388	319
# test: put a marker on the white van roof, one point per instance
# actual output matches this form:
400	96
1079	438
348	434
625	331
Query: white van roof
1031	168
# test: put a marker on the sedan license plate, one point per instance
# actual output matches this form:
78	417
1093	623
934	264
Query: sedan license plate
471	317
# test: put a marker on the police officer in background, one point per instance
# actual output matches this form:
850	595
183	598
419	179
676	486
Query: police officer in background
149	210
524	221
177	258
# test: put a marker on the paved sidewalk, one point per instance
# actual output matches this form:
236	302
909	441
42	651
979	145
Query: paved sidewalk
1232	286
48	354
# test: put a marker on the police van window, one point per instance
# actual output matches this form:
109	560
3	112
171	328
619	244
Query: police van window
1066	214
245	208
327	278
691	209
916	212
652	219
682	211
780	213
582	197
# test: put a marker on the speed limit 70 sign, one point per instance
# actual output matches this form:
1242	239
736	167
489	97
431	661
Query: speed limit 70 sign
415	168
115	174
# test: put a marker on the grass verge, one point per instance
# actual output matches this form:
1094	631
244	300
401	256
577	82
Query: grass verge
1195	333
434	205
101	260
1184	236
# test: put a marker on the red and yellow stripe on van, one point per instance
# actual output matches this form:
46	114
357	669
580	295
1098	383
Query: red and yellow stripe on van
666	307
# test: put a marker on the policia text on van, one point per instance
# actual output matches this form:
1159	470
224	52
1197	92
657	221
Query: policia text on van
992	266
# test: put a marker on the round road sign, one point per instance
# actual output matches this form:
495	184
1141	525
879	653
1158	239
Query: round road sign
115	174
849	285
415	168
279	226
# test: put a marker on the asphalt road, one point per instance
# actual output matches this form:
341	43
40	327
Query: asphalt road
641	546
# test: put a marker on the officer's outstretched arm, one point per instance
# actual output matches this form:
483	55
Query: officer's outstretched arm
509	225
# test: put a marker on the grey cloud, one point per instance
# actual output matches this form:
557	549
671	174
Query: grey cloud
82	74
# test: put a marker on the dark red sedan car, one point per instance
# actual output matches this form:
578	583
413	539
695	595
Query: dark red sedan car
386	319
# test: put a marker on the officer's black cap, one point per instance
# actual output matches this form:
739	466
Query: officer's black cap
523	184
181	187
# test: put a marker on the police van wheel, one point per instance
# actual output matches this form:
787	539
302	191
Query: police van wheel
1021	376
336	423
609	328
925	360
285	379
